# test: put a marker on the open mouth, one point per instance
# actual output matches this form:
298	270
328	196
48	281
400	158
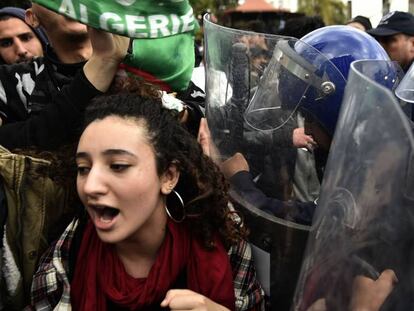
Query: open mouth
105	214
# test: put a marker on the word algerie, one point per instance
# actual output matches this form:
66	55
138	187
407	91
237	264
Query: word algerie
133	26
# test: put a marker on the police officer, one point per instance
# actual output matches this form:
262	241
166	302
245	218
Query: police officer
395	32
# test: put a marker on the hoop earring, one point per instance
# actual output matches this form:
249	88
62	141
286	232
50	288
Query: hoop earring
180	203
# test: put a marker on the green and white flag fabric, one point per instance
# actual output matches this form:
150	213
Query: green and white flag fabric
164	32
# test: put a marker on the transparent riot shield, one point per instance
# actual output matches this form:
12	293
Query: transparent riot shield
364	222
242	84
405	90
255	84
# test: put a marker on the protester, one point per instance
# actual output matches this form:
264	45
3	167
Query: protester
19	42
42	105
33	214
135	156
27	90
163	51
395	32
360	22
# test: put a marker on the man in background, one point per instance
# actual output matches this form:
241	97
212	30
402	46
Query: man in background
19	42
360	22
29	88
395	32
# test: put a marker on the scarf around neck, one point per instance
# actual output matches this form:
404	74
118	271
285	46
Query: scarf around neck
101	277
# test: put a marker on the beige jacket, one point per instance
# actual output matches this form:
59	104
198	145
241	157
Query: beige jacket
37	212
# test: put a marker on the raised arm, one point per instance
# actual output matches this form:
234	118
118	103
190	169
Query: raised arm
58	122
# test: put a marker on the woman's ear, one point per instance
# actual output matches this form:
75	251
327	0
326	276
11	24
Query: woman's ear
31	18
169	179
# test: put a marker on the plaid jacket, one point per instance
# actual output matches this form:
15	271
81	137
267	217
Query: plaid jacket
51	285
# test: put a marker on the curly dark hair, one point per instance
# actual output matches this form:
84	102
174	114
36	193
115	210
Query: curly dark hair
201	184
134	85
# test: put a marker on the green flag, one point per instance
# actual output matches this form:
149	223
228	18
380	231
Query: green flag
164	32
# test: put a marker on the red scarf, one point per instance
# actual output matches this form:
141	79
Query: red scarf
100	275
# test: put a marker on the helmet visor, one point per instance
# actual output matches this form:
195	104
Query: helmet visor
297	75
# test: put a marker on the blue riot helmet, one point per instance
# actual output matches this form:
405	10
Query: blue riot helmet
310	74
341	45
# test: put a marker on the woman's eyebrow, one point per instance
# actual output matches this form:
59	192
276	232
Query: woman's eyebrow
81	155
118	152
108	152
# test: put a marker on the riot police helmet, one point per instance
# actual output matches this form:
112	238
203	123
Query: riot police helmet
309	74
341	45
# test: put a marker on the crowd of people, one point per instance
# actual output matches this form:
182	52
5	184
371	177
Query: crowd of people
123	183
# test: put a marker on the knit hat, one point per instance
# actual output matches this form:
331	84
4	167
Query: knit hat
163	48
20	13
364	21
393	23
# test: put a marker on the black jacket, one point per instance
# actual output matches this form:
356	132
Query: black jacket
42	102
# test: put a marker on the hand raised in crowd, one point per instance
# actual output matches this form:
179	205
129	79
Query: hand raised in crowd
108	51
369	294
184	299
302	140
233	165
206	142
108	46
229	167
